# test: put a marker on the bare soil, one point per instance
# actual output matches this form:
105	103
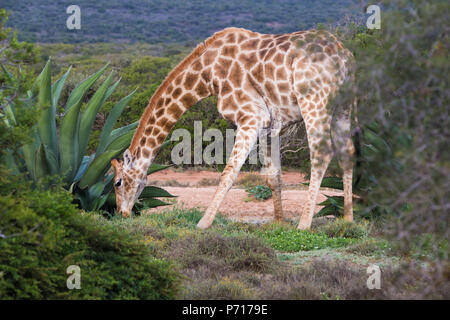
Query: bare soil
195	177
237	204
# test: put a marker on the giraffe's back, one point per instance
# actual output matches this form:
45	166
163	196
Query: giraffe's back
272	71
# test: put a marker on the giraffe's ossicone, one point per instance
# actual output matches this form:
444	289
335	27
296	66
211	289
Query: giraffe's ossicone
263	82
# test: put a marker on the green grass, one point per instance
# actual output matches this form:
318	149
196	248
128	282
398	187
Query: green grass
234	260
175	223
292	240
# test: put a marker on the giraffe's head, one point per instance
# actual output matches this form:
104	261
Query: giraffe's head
129	181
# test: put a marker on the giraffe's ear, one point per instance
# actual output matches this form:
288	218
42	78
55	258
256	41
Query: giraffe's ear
117	165
128	159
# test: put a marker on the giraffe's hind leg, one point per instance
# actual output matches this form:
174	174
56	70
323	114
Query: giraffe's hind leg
344	149
271	171
320	156
245	140
348	180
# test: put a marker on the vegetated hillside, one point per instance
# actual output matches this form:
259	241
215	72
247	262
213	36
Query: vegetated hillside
170	21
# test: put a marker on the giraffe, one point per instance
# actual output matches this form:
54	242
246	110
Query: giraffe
262	82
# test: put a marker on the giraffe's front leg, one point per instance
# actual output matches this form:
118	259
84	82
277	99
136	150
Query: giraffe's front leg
245	140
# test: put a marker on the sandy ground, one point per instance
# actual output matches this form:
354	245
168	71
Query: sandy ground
193	177
237	205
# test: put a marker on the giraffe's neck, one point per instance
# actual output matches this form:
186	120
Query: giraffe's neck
182	88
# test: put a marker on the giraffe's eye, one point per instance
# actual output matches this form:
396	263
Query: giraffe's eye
119	183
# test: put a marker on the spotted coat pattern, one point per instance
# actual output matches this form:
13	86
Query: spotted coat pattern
263	83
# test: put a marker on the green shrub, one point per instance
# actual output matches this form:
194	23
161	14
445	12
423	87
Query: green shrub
369	247
222	252
42	233
250	180
345	229
260	192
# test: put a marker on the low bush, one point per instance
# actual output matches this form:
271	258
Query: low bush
228	261
206	182
369	247
42	233
223	252
345	229
330	280
250	180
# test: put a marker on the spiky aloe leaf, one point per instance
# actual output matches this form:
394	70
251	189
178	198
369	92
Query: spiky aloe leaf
89	114
327	211
68	142
121	131
109	176
79	92
115	113
337	201
149	203
29	153
111	199
333	205
121	143
83	167
99	192
97	203
40	163
97	168
111	89
96	190
153	203
333	183
58	86
52	161
83	197
47	119
11	162
154	192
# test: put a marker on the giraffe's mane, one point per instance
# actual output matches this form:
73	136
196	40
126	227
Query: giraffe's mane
197	52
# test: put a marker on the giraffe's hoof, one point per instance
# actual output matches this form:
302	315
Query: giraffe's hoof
278	216
125	214
348	218
203	224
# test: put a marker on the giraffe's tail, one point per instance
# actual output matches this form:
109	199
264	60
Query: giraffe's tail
346	142
357	138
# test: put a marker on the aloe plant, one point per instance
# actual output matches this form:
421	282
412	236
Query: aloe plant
61	151
260	192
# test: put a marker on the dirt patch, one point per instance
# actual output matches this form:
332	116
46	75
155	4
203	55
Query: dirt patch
236	205
190	178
